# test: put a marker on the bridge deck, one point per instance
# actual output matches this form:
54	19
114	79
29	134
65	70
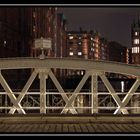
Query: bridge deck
69	124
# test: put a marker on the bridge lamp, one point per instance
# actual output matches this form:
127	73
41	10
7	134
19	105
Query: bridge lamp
43	44
122	86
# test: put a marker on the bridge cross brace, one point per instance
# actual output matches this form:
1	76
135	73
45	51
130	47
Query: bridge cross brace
124	102
44	73
11	95
94	89
128	96
112	92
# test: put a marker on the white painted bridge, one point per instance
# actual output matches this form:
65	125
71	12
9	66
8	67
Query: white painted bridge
93	69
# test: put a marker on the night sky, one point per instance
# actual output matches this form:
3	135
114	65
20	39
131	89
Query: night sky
113	23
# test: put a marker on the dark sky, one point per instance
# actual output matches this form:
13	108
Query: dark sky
113	23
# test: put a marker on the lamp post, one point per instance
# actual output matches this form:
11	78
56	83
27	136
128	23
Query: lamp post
43	44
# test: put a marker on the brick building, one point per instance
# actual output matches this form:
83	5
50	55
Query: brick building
135	35
117	52
86	45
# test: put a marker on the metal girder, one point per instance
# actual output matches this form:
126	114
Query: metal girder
128	96
75	93
67	63
112	92
43	75
94	91
25	89
62	92
11	95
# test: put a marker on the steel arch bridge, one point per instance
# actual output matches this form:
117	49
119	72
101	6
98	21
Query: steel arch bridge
93	69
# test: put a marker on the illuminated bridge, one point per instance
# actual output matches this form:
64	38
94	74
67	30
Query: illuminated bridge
89	104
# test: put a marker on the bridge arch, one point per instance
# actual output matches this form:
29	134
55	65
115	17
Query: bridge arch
67	63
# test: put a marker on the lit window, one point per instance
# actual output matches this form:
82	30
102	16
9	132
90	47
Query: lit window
92	49
78	72
136	41
96	55
70	37
4	43
80	37
34	14
79	53
71	53
136	33
93	44
135	50
34	28
82	72
79	43
91	38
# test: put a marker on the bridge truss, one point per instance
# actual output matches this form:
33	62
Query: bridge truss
68	102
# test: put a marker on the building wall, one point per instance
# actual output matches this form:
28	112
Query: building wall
44	25
9	32
117	52
61	43
12	39
61	35
135	35
104	49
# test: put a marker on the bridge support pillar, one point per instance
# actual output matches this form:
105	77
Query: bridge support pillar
43	75
94	91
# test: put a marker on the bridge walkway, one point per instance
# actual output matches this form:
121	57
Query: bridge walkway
69	124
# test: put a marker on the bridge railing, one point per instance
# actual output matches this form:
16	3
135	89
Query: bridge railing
82	104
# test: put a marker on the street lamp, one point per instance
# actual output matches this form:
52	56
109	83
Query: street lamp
43	44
